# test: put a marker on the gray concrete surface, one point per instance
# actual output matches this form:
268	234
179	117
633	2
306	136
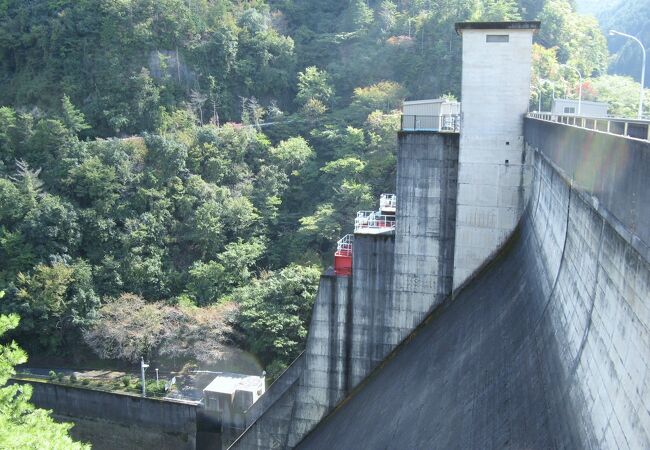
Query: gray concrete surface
546	347
612	169
491	169
427	182
372	294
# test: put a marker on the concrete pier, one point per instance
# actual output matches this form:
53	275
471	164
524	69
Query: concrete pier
427	180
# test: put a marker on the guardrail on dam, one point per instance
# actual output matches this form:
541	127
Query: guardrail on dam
546	347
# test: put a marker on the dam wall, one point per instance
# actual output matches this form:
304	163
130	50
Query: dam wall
546	346
611	169
372	294
600	306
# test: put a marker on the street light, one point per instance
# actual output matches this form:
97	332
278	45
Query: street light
579	88
614	32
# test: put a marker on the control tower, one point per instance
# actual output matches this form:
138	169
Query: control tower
492	172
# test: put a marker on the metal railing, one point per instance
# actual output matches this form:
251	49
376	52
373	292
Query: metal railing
634	128
387	201
448	123
344	245
373	222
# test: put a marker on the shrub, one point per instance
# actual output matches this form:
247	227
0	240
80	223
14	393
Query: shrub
85	381
52	375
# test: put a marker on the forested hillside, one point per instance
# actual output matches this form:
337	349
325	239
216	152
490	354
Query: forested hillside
174	173
631	17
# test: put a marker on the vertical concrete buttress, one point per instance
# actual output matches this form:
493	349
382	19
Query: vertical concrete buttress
427	178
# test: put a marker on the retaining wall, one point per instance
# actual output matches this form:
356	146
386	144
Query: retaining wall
109	420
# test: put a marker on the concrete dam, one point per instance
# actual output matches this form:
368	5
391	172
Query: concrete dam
547	346
510	306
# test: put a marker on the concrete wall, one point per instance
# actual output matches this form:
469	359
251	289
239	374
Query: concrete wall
427	176
306	393
370	328
611	169
546	347
492	170
601	302
110	421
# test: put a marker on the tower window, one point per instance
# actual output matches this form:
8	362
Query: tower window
497	38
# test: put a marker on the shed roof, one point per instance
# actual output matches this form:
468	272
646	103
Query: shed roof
522	25
426	102
228	383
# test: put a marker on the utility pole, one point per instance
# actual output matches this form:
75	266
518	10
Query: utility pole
143	367
614	32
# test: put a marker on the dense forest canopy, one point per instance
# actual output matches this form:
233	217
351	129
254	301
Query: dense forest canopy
192	162
631	17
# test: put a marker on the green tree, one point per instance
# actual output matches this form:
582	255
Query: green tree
275	311
621	94
21	424
72	118
383	96
56	300
213	280
206	280
94	184
313	84
496	11
292	154
578	38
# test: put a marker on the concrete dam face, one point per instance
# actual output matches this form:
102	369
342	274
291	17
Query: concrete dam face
510	305
547	345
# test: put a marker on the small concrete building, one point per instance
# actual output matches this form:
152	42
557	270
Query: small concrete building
232	393
431	115
569	107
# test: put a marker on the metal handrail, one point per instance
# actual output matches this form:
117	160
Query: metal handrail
344	245
632	128
446	123
387	201
373	221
